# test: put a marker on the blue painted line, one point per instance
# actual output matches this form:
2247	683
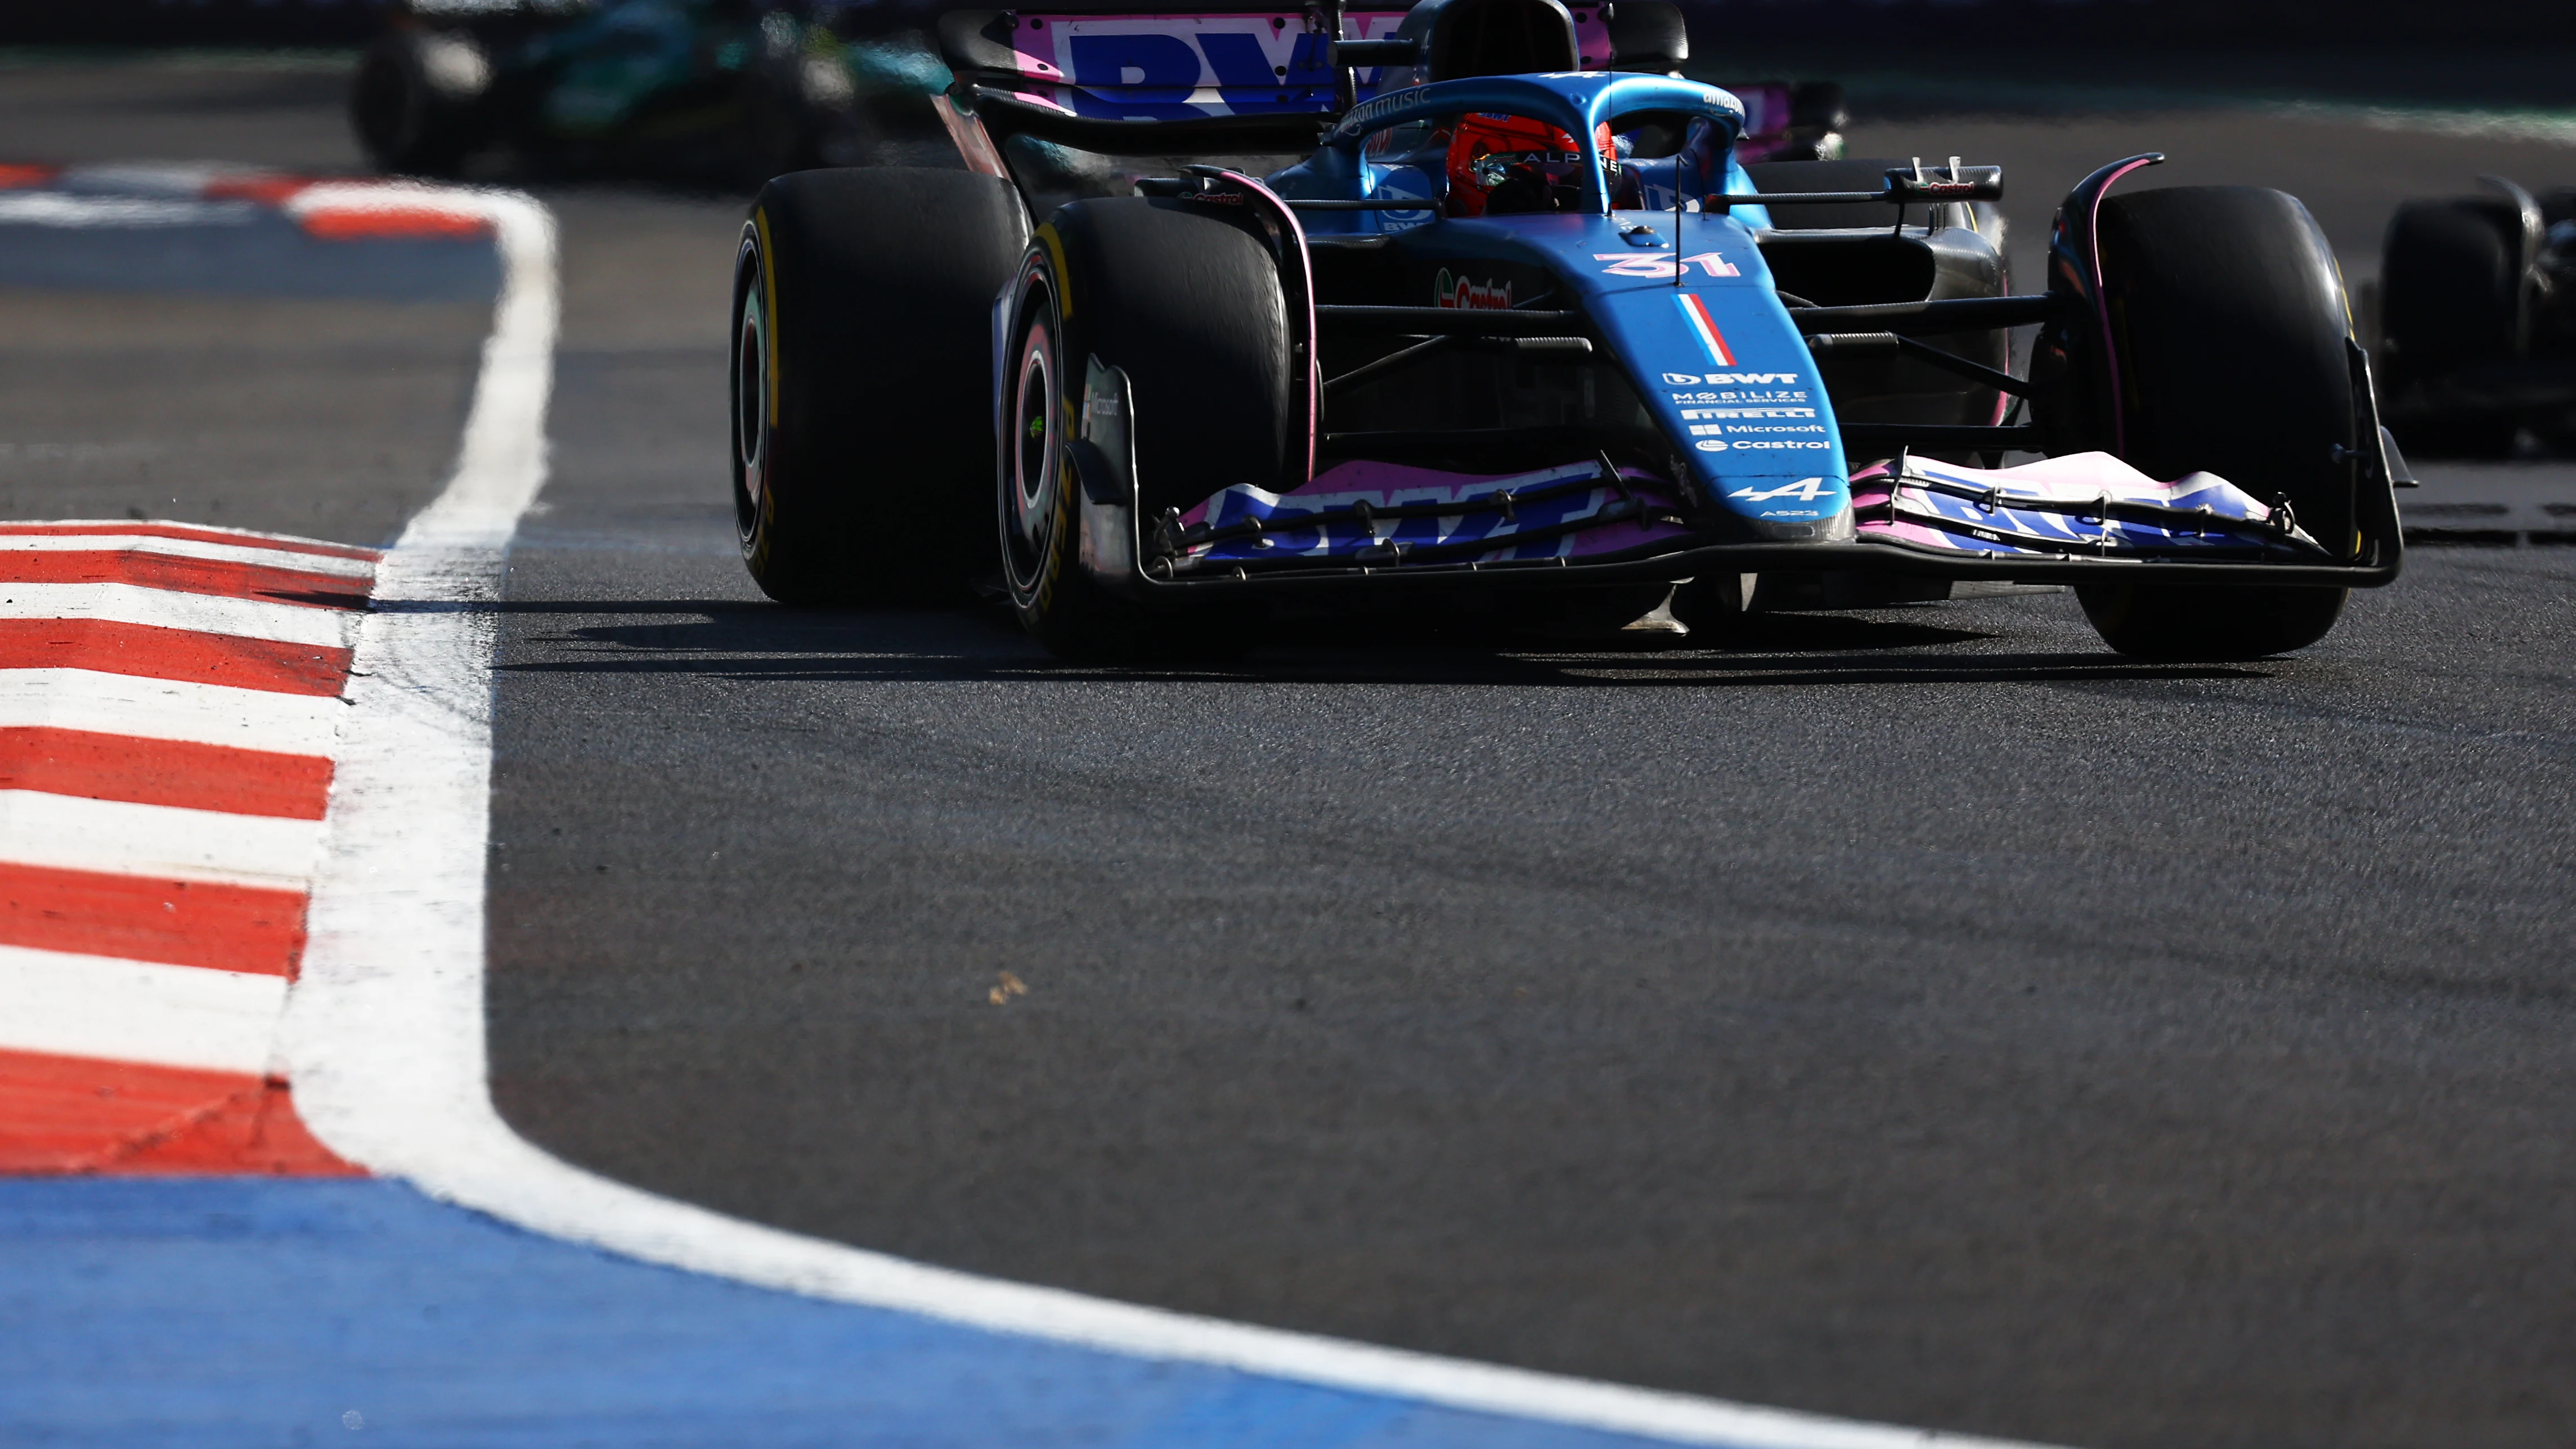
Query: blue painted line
213	1312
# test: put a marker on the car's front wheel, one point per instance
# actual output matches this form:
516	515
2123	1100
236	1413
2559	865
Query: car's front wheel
2230	333
1189	306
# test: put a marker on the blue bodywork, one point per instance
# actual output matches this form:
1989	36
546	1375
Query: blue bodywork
1712	351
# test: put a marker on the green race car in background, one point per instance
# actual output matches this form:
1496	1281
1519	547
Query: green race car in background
730	90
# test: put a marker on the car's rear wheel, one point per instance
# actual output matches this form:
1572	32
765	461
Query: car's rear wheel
2450	284
860	391
2230	327
1190	307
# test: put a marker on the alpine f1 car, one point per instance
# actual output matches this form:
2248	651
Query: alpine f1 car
2478	320
1502	320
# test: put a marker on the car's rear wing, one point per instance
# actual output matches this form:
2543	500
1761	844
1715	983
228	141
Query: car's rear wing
1049	71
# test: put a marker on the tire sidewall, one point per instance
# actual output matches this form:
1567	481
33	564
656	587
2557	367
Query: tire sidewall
754	362
1038	524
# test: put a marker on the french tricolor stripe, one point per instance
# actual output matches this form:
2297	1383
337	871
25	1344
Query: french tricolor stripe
169	707
1704	326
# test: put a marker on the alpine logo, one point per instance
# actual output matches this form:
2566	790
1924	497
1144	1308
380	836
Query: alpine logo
1704	327
1805	489
1449	291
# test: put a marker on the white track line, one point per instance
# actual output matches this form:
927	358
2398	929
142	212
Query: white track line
169	709
159	842
55	208
240	553
385	1035
327	628
131	1011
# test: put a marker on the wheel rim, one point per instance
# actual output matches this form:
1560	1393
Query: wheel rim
1034	467
751	398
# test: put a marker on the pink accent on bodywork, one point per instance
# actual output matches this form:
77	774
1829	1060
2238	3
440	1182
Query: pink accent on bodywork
2072	478
1766	119
1592	49
1033	31
1033	39
2102	311
1306	333
972	141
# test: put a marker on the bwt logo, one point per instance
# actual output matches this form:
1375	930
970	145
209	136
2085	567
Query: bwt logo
1727	379
1165	68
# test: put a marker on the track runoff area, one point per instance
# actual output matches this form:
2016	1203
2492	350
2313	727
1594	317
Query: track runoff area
245	1060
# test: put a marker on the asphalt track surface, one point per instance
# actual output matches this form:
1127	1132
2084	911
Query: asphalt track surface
1920	1015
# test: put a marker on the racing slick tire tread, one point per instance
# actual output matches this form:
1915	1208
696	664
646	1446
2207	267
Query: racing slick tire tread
874	289
1190	306
2231	325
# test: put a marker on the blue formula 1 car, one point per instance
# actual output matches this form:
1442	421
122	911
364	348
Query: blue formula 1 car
1497	312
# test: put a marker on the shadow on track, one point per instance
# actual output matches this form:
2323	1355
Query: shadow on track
741	640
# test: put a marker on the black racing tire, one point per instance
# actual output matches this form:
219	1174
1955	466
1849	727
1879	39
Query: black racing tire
417	100
2450	296
861	381
2208	623
2230	325
1190	306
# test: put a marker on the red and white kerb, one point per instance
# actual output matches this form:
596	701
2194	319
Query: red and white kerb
170	703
